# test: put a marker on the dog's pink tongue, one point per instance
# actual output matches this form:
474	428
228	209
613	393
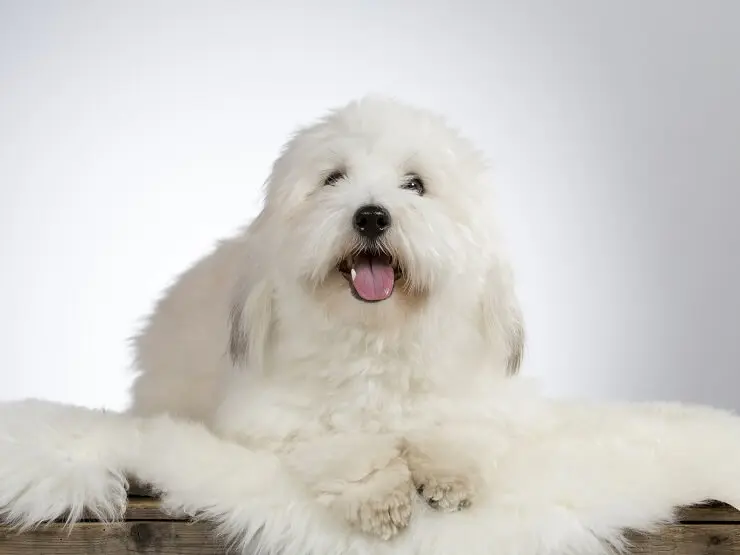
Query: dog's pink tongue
373	278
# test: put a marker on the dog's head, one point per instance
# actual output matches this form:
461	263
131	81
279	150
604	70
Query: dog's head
381	207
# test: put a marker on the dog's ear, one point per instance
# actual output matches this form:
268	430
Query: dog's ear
503	322
250	321
250	317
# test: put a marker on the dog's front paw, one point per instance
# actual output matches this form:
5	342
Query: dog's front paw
385	514
446	479
380	505
444	491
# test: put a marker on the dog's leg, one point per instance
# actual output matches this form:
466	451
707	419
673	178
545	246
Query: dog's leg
443	475
362	479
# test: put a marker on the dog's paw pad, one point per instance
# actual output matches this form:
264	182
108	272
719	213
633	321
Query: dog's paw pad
446	493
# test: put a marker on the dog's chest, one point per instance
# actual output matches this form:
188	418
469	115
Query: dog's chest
369	386
368	393
349	380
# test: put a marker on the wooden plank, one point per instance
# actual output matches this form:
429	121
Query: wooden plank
710	512
689	539
128	538
148	508
710	529
182	538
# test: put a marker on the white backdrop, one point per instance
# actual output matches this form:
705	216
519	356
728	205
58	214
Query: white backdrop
135	133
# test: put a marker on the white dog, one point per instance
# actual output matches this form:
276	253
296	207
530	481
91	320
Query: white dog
359	340
367	308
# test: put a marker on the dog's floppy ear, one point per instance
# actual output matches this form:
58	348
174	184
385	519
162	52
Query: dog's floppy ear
503	322
250	317
250	321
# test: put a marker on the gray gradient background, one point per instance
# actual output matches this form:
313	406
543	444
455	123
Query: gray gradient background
133	134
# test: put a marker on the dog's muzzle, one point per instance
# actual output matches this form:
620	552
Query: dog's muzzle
370	270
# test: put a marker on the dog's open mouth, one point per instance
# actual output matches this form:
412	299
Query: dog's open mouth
371	275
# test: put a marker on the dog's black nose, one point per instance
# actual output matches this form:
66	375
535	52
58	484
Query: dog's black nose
371	220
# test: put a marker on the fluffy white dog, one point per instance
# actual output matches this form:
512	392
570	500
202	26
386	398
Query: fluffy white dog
358	340
366	309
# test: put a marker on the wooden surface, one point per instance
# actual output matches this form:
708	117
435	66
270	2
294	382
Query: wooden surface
145	529
702	530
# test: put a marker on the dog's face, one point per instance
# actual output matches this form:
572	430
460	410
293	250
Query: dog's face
377	203
378	210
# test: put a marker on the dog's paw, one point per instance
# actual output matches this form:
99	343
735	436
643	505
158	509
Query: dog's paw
380	504
446	479
444	491
385	514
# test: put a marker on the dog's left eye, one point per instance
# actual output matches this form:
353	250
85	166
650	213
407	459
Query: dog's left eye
333	177
413	182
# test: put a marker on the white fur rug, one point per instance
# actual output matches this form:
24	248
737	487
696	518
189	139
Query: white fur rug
565	477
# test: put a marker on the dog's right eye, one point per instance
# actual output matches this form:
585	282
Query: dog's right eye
333	177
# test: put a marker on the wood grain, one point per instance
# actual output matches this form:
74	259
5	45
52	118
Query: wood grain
710	512
147	508
689	539
126	538
710	529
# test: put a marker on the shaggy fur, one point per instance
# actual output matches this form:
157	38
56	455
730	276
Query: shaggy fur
275	402
558	478
307	359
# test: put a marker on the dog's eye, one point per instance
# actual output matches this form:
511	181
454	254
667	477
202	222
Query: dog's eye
333	177
413	182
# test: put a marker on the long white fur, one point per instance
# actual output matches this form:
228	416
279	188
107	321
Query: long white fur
301	420
562	477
